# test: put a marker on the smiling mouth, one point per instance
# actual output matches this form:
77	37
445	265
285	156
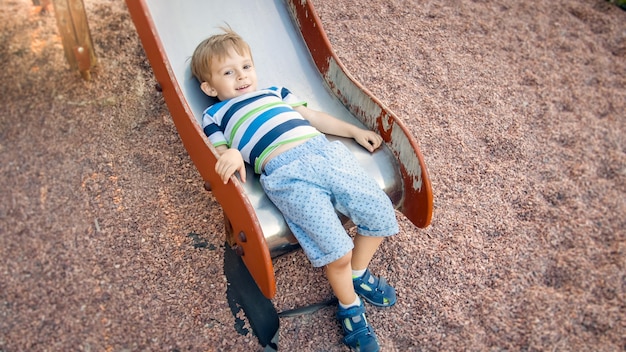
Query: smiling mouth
243	87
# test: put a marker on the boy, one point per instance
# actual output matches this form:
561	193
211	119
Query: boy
303	174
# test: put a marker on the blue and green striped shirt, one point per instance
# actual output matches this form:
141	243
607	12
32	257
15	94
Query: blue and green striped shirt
256	123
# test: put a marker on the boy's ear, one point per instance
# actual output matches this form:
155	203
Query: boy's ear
208	90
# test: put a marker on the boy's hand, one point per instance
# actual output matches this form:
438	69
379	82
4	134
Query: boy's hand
370	140
230	161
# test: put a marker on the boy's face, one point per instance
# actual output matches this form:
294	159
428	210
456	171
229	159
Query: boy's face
231	76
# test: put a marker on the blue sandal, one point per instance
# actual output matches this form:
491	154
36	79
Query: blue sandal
358	334
375	290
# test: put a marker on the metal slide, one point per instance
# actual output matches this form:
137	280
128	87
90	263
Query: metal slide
290	49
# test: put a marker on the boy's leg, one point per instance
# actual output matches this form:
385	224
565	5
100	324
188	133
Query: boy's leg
364	249
339	274
358	334
373	289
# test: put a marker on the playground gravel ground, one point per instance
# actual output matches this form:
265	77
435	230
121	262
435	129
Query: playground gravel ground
518	107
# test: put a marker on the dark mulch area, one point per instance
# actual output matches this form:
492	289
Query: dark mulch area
108	241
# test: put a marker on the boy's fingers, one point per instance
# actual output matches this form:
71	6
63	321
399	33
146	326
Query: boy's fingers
225	177
242	173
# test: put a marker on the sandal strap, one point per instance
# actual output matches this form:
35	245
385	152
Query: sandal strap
362	336
356	336
382	284
380	289
350	312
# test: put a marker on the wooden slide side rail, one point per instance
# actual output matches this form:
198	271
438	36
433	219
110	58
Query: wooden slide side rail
247	234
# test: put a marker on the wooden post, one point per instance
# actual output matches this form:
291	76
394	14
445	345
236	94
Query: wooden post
74	30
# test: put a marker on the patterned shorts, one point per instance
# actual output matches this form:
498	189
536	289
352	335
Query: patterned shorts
311	182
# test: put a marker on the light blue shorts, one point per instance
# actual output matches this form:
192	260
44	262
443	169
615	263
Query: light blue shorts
312	181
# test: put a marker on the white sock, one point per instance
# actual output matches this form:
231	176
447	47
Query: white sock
358	273
357	302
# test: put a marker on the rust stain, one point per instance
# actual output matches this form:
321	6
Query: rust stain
375	117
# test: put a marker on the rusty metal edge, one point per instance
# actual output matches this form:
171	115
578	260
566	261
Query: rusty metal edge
417	203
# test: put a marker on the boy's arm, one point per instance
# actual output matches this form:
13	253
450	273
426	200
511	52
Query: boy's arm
228	162
329	124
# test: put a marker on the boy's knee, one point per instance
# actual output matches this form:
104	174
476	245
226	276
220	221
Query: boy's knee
343	261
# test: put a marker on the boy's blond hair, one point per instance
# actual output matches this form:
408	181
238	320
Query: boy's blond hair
216	47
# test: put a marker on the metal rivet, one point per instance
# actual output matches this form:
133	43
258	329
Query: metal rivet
238	250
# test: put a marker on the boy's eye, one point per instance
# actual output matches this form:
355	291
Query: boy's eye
227	73
247	67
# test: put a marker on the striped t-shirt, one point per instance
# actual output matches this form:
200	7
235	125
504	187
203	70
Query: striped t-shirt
257	123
